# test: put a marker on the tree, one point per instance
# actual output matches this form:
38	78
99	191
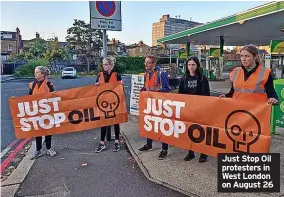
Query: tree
84	41
55	52
35	49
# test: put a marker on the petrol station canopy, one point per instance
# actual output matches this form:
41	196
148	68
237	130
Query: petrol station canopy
255	26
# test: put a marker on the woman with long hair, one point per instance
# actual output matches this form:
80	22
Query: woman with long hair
194	83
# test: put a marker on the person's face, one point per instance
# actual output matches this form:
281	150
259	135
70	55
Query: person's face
149	64
247	58
107	66
38	75
191	66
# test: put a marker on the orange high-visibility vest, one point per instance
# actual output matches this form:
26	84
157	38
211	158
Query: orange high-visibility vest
40	90
153	84
253	88
112	78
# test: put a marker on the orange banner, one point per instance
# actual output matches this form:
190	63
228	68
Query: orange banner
208	125
69	110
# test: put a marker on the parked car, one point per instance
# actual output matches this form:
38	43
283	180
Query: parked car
69	72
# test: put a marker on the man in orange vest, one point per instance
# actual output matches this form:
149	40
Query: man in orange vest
155	80
252	81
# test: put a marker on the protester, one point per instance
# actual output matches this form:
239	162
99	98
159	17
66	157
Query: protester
157	81
252	81
41	85
108	76
194	83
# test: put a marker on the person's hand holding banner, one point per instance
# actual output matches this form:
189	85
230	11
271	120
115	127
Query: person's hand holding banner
208	125
69	110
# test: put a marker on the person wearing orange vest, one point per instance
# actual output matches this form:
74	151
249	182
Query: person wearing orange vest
41	85
252	81
108	76
155	80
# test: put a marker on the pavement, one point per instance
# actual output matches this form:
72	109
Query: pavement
78	171
7	78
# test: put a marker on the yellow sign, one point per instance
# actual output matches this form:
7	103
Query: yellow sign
214	52
277	47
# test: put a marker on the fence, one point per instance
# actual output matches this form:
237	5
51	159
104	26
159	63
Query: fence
8	68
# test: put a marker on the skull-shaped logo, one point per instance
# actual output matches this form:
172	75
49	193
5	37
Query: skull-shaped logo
108	101
242	137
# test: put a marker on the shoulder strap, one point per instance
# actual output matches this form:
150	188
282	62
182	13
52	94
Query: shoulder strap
33	86
49	84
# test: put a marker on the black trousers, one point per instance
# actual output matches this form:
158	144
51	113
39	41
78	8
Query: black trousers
39	142
106	130
164	145
108	134
201	155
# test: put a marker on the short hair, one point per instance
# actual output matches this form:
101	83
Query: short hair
109	59
153	58
43	69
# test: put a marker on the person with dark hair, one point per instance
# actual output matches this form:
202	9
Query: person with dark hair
157	81
252	81
194	83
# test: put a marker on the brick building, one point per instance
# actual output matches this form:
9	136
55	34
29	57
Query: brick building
138	50
11	43
116	48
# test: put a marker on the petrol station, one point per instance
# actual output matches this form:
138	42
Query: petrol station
259	26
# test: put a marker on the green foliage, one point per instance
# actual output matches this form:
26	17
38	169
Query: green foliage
36	49
54	52
17	57
27	70
133	65
84	41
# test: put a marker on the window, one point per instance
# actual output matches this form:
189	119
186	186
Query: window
68	69
118	49
7	36
9	47
141	50
74	57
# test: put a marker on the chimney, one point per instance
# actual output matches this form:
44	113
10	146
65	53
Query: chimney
37	35
178	16
18	40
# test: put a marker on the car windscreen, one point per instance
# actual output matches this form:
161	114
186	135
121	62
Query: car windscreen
68	69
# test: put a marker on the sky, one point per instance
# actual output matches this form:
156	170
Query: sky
53	18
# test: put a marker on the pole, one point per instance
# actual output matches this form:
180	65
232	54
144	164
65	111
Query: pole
108	134
104	43
170	55
188	49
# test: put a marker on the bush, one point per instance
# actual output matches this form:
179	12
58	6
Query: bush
134	65
27	70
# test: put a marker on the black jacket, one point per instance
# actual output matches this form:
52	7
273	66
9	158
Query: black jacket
269	88
194	85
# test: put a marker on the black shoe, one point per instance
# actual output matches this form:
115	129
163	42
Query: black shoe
145	148
100	148
116	147
189	157
203	158
163	154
